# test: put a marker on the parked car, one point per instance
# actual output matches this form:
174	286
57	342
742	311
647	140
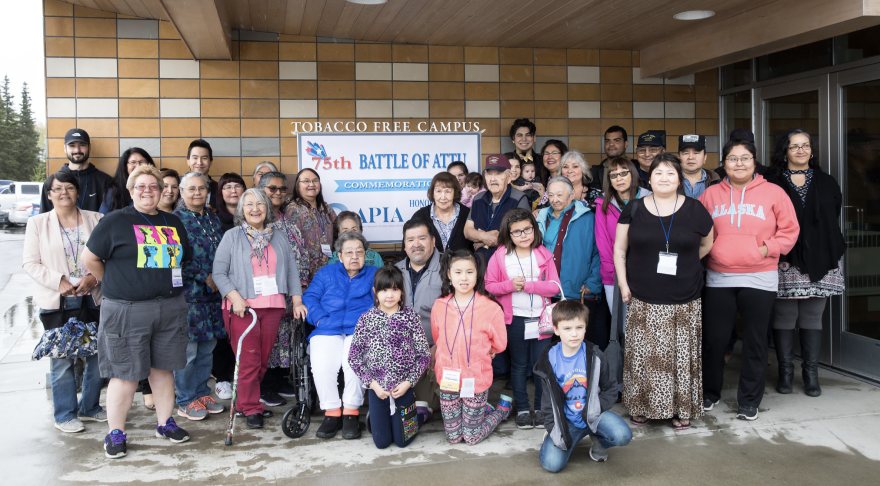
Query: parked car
4	184
21	200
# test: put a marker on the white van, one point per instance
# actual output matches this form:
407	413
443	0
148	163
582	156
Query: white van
20	200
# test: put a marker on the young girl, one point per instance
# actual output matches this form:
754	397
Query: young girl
473	187
389	351
520	274
468	328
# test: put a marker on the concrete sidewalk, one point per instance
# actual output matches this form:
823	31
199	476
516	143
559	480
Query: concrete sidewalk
833	439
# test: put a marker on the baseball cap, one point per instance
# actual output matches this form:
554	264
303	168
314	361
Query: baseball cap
742	134
696	141
497	162
656	138
76	135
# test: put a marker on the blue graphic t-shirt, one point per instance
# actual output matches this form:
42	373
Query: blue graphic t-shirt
571	374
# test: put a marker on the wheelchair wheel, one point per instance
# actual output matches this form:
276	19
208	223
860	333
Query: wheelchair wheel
296	421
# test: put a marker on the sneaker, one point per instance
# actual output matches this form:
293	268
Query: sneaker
101	416
329	428
424	410
524	421
709	404
597	452
223	390
539	419
194	411
287	390
171	431
114	444
747	413
71	426
351	427
272	399
210	405
489	408
504	404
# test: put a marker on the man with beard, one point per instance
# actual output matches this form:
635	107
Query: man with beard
421	287
651	144
92	182
616	143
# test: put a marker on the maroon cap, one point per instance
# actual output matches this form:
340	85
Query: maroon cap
497	162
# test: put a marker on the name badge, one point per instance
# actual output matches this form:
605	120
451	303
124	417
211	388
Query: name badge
176	277
532	329
325	249
270	286
668	263
467	387
451	381
258	284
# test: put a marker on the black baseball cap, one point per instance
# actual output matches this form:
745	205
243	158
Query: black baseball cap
742	134
76	135
696	141
656	138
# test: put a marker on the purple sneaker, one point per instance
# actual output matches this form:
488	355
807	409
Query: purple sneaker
423	410
505	404
172	432
115	444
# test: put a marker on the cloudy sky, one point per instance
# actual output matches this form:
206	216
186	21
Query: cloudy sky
21	57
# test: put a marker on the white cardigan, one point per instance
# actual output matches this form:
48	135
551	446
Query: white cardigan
44	258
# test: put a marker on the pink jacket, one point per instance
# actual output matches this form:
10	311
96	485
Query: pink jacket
500	284
487	334
606	233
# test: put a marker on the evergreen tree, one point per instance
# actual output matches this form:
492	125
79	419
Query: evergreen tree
9	167
28	150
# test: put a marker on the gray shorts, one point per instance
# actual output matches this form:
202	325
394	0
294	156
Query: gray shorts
136	336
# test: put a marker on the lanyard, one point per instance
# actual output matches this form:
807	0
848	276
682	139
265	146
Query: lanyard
531	273
75	252
497	209
665	232
153	226
265	253
460	324
85	192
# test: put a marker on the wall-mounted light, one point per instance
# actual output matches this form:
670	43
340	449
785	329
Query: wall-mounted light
691	15
368	2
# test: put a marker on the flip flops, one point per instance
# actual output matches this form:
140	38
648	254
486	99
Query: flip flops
633	421
680	425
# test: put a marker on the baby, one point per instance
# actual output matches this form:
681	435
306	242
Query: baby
473	187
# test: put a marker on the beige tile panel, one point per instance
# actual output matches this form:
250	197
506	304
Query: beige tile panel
181	127
58	127
336	90
89	12
481	91
707	78
482	109
611	57
447	109
288	148
584	109
296	51
258	51
301	89
409	90
582	57
219	88
139	127
133	108
617	92
409	53
490	145
679	93
138	68
59	46
177	147
546	91
647	92
335	52
259	70
490	125
96	88
58	26
99	127
707	110
56	8
616	75
707	93
373	71
551	109
86	27
219	69
554	57
259	109
445	91
61	88
617	109
550	74
516	73
446	54
220	108
645	124
259	89
481	55
584	92
179	88
166	31
517	109
372	52
138	48
515	55
587	145
220	127
103	147
678	127
173	49
248	164
88	47
373	90
336	108
259	127
446	72
336	70
627	125
583	126
636	59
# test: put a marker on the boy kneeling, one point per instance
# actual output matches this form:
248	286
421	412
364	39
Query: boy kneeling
579	392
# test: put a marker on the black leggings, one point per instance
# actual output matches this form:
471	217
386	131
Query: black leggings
720	305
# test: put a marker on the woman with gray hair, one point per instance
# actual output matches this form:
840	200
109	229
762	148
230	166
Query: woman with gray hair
338	295
204	318
574	167
255	267
350	221
261	169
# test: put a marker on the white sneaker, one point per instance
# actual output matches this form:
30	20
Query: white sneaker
223	390
71	426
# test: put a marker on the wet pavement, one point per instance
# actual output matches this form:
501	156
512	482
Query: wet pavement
799	440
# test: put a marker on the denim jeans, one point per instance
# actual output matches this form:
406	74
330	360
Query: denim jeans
611	432
192	382
64	389
523	356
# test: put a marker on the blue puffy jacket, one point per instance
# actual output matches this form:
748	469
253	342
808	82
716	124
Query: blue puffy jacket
580	254
337	300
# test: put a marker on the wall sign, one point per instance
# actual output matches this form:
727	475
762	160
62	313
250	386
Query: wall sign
378	126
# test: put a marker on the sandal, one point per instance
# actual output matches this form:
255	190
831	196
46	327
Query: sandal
635	421
678	425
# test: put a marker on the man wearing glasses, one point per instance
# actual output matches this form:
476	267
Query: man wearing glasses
616	143
692	152
651	144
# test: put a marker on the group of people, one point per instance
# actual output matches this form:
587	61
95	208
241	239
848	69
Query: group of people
169	265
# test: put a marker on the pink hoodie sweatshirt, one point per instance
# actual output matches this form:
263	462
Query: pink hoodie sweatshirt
500	284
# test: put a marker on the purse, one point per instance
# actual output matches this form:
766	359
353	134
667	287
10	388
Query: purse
545	322
74	339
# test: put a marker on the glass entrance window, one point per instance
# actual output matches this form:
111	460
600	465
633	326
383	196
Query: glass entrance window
737	111
787	112
861	121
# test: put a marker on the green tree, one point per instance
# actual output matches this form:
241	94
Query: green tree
29	153
9	167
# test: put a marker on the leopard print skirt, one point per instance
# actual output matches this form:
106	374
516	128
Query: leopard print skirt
662	367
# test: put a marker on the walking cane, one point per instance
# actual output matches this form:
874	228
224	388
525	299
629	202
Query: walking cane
231	427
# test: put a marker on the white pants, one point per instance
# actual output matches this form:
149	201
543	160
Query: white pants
609	297
328	353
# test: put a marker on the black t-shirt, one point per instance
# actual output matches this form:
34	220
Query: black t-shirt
139	250
646	241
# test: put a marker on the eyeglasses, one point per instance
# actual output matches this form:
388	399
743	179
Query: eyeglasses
146	187
138	163
518	233
615	175
309	182
797	148
645	150
232	187
250	205
553	153
352	254
192	189
56	190
274	189
745	159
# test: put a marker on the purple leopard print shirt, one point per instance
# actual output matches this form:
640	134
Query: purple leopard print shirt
389	349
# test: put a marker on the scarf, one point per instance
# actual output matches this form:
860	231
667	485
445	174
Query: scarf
259	239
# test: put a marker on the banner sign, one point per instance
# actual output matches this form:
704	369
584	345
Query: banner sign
384	177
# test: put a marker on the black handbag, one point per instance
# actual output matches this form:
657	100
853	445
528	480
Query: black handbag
82	308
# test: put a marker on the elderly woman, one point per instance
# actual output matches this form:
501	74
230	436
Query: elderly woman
446	215
53	245
116	196
137	253
568	227
574	167
205	321
255	267
275	386
315	218
263	168
351	221
661	371
336	298
231	187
